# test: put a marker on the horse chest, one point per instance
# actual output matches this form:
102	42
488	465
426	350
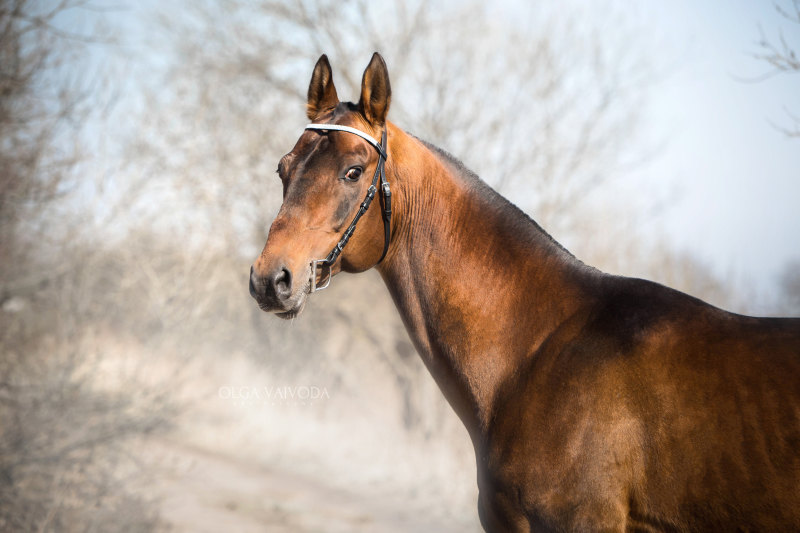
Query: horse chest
567	458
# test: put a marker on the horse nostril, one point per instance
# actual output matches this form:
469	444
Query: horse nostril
282	283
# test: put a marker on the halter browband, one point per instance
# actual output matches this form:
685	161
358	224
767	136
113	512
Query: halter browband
336	127
386	196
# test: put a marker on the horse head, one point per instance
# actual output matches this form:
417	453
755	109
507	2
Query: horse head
326	186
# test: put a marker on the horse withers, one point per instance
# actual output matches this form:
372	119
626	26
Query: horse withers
594	402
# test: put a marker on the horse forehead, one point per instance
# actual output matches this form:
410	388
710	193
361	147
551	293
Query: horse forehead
309	164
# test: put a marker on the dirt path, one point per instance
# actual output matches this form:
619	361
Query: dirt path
204	491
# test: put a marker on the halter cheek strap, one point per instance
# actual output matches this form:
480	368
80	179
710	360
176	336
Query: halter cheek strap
386	201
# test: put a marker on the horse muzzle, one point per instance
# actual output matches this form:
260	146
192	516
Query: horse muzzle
276	291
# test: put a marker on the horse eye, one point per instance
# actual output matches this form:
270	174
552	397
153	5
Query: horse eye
353	174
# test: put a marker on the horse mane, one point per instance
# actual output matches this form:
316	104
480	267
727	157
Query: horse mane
518	218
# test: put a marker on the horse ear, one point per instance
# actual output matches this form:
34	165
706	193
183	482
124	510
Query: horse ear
376	93
321	91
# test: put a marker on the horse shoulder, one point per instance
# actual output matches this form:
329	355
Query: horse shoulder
646	372
564	441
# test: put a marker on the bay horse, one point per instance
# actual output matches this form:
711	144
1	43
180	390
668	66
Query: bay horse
594	402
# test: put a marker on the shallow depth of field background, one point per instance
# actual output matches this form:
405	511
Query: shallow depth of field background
141	388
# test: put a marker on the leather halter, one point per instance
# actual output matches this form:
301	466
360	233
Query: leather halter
386	195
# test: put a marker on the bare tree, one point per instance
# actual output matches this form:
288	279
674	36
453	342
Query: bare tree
34	166
64	461
542	105
781	54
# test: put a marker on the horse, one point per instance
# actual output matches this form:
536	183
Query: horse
594	402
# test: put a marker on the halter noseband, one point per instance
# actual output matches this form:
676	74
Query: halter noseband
386	194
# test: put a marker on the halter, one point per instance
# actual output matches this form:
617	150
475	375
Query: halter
386	194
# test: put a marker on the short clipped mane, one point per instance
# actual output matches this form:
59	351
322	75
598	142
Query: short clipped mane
520	218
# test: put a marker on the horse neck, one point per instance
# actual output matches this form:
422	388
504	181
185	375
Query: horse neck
479	285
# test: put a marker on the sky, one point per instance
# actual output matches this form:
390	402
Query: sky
735	175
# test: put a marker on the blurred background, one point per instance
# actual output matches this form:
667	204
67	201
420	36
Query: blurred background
141	389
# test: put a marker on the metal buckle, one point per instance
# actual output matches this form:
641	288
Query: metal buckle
314	286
